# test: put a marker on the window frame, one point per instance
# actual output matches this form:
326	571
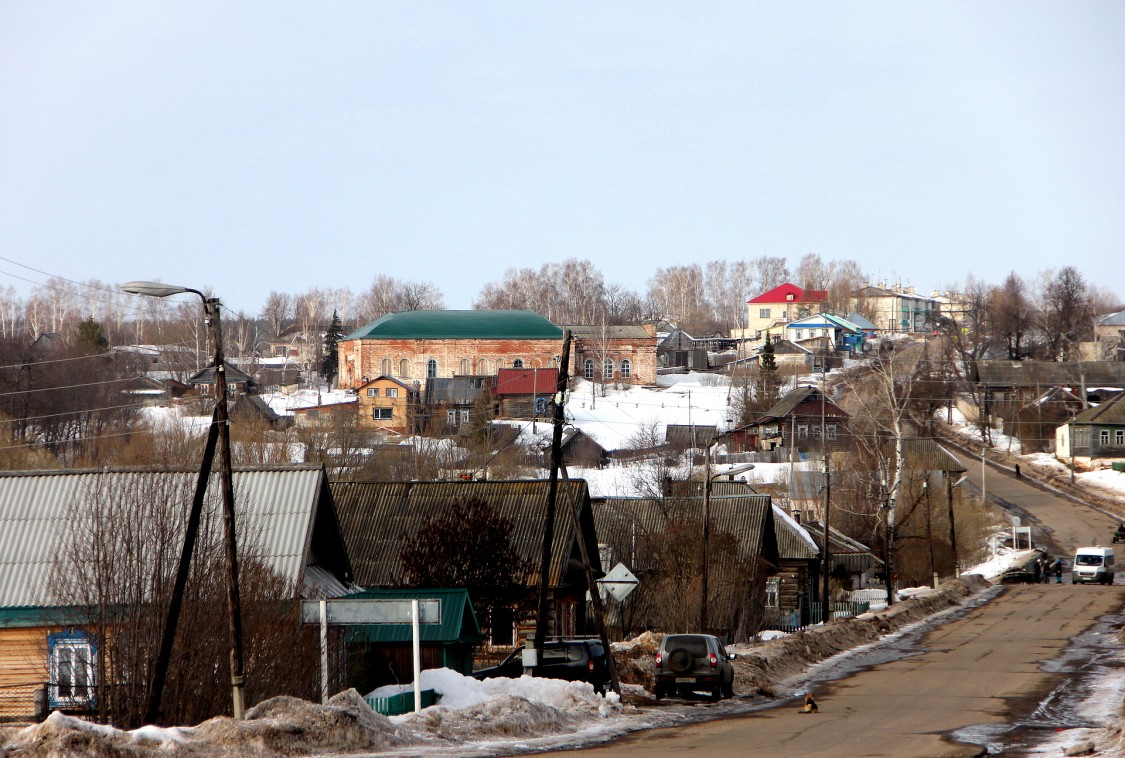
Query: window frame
71	642
588	369
626	368
431	368
382	414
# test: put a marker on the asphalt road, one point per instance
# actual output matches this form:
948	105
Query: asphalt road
982	668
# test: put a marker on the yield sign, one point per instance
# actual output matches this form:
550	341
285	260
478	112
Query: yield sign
619	582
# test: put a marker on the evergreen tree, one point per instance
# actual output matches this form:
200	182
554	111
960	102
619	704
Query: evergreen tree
767	361
90	336
329	365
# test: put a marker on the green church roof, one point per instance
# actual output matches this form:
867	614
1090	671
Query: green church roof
436	325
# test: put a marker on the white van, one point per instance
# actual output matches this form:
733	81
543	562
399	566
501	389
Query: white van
1093	564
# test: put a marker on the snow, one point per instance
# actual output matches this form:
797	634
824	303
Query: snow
459	692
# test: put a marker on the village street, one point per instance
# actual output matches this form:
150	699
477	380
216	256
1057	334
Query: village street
979	672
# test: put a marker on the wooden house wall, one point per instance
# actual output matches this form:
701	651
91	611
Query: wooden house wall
23	669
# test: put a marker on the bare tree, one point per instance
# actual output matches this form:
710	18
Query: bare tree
1066	315
773	271
1012	317
277	312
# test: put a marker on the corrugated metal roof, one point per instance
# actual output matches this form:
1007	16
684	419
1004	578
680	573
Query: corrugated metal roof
375	517
37	512
802	401
1109	412
526	381
850	553
433	325
1042	373
456	390
1113	319
690	435
793	542
927	455
782	293
630	332
748	518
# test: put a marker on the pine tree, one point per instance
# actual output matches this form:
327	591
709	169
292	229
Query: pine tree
329	365
90	336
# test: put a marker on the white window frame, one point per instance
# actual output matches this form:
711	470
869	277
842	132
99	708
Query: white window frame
431	368
626	368
373	392
773	592
607	368
763	313
392	391
588	369
64	650
382	414
517	363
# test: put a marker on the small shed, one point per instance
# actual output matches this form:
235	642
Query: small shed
380	654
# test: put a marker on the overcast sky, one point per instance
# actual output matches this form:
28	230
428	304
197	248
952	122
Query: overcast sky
250	147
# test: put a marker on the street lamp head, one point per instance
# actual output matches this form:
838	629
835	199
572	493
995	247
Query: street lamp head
154	289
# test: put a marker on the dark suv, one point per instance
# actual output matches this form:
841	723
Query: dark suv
694	663
572	660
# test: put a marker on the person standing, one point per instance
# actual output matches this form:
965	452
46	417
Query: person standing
1018	475
1058	570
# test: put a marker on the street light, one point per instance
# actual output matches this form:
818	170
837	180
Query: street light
708	479
219	432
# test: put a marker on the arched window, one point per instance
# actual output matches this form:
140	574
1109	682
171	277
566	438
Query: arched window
431	368
482	367
385	367
464	366
404	367
517	363
626	368
607	369
588	369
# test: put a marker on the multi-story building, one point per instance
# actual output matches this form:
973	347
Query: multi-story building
894	310
779	306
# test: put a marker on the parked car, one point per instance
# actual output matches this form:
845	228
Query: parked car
572	660
694	663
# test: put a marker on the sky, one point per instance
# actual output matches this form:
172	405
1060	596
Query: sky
249	147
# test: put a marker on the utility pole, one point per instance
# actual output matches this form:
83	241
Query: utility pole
706	538
826	550
541	617
930	529
952	524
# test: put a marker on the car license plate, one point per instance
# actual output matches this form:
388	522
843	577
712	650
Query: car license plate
685	680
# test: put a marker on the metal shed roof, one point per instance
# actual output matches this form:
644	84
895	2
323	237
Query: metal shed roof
38	509
423	325
376	516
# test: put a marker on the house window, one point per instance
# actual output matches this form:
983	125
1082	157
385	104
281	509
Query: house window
816	431
482	367
464	415
607	369
800	334
71	659
1119	437
802	431
830	432
392	391
385	367
451	416
517	363
382	414
773	592
404	367
588	369
1082	436
763	313
626	368
431	368
373	392
1103	437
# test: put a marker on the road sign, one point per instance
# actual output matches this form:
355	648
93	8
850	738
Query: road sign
619	582
371	611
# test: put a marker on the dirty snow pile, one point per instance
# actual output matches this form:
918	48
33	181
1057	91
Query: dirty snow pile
469	711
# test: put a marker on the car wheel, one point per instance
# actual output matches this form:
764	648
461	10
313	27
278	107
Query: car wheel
717	694
728	690
680	660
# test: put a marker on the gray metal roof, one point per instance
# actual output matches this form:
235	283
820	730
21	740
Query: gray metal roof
39	510
1044	373
927	455
747	518
376	516
1113	319
793	542
627	331
847	552
1109	412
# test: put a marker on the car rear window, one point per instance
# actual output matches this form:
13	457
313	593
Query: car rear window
693	644
563	653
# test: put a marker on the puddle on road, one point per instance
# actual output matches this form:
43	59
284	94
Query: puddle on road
1088	699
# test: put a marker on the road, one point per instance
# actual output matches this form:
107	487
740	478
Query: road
980	669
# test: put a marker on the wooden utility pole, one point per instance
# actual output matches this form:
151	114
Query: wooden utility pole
558	417
706	537
952	523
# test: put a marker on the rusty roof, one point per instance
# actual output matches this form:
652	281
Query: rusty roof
375	518
526	381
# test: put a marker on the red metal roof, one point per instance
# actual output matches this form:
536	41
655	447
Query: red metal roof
526	381
781	293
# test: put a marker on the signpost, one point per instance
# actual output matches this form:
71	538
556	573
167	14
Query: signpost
618	583
374	611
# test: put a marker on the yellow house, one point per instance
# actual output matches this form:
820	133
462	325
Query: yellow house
386	403
779	306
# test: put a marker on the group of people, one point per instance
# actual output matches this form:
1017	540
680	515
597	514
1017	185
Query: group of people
1043	569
